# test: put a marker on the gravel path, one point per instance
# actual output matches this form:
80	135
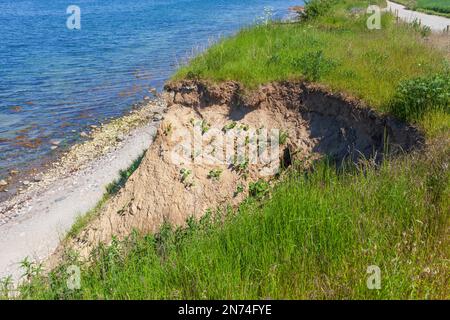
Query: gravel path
35	221
436	23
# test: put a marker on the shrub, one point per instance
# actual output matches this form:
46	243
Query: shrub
416	97
317	8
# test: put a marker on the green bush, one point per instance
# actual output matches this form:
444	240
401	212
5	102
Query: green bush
317	8
313	65
258	189
416	97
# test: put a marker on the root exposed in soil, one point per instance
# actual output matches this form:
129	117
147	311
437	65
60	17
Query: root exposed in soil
313	121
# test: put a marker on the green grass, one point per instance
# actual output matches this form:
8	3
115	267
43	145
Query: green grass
314	238
314	234
343	53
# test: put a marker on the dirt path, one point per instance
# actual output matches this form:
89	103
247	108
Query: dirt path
33	223
436	23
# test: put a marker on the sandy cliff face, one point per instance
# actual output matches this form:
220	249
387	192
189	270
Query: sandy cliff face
171	185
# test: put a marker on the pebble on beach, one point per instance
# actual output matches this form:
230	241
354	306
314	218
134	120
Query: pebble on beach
55	142
3	183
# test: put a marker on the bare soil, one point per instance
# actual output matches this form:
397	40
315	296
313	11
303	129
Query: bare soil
317	121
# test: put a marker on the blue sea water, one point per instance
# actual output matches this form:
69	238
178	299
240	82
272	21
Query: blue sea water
55	82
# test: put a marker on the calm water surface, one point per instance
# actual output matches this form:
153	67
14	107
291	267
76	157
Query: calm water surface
55	82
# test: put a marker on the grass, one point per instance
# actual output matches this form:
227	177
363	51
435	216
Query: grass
345	55
313	234
314	238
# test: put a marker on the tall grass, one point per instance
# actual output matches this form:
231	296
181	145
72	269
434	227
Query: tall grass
313	238
440	7
337	50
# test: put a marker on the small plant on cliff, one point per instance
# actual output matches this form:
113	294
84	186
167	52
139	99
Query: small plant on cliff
258	189
283	137
215	174
239	190
186	177
167	129
205	126
241	165
416	97
229	126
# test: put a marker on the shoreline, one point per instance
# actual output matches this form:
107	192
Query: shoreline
33	222
23	176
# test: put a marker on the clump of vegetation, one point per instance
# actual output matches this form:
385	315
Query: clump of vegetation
417	26
419	96
124	175
167	128
239	190
244	127
313	65
229	126
317	8
241	165
258	189
282	139
215	174
186	177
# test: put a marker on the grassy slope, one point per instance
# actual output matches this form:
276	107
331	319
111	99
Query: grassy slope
335	50
318	233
